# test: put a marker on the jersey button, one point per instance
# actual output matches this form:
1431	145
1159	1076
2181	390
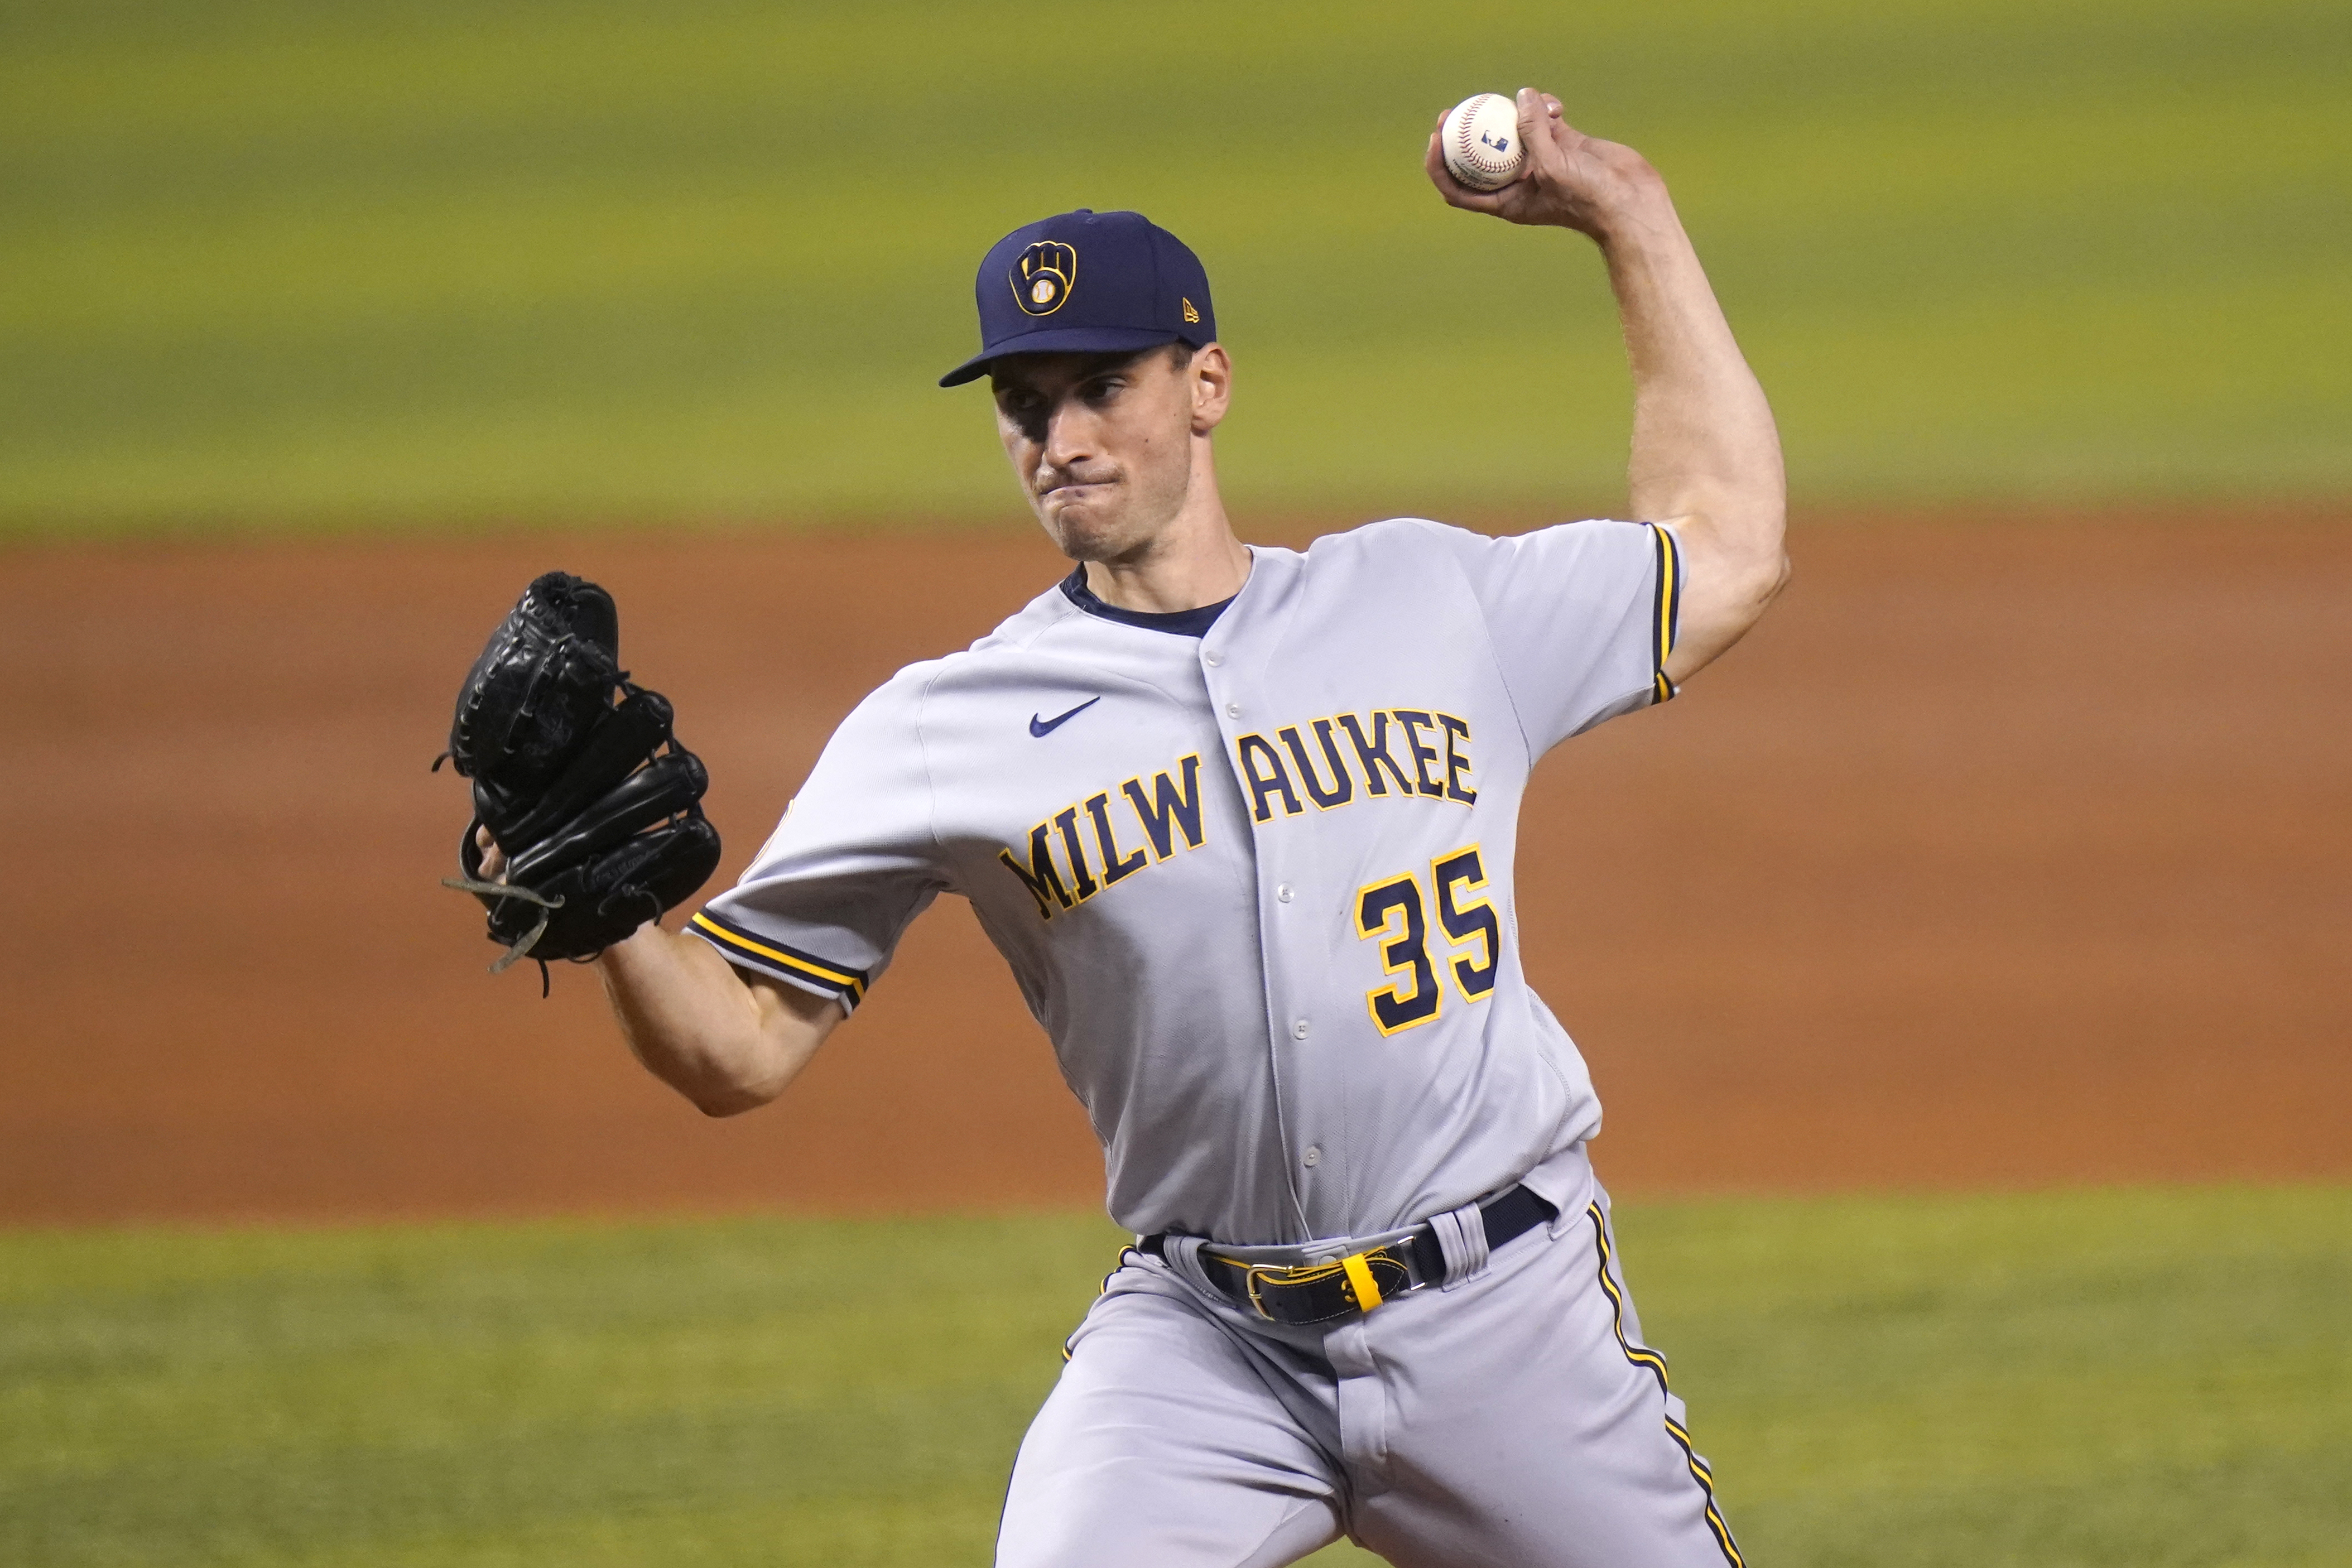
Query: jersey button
1299	1030
1313	1157
1212	659
1283	892
1233	710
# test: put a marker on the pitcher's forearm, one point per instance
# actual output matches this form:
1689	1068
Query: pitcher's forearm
724	1043
1705	454
1704	440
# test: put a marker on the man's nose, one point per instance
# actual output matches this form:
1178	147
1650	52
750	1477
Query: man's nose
1071	434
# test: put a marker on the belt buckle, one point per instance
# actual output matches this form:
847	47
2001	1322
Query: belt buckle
1281	1278
1361	1288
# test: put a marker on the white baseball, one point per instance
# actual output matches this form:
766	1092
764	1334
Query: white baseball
1480	139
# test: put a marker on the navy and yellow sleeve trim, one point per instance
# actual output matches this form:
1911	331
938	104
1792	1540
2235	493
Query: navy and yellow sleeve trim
772	957
1666	611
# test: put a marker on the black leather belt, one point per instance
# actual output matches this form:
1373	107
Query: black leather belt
1343	1287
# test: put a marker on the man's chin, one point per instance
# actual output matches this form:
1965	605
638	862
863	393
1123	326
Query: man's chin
1085	525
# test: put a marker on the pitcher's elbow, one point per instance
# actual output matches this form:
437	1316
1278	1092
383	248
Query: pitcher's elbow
1757	568
719	1102
1762	583
714	1092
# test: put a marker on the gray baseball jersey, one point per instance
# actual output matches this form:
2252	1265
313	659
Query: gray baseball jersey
1255	882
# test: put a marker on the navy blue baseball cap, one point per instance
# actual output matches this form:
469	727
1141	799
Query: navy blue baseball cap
1087	282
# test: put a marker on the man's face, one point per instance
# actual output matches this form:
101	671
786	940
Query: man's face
1101	444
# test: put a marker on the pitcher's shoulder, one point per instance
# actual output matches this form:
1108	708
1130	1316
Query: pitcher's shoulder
1021	630
1393	539
988	659
1047	633
1400	551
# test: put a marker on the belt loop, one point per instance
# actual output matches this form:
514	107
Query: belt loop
1183	1253
1461	1238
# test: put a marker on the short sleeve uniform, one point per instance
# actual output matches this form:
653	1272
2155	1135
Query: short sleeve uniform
1255	883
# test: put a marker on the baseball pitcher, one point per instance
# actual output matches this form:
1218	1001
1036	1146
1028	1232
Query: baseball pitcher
1243	823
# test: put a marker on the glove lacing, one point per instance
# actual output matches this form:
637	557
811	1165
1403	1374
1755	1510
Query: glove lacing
546	907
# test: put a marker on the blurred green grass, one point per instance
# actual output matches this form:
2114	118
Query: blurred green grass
267	261
2144	1377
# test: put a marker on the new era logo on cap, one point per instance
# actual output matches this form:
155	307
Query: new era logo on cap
1142	288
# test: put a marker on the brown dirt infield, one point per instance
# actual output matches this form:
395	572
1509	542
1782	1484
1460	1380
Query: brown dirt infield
2003	853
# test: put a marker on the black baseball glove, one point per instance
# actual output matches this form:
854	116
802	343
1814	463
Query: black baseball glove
592	800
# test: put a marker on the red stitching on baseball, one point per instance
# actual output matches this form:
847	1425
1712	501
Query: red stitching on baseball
1468	143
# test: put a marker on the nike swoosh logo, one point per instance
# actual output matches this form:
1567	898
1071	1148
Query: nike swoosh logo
1041	728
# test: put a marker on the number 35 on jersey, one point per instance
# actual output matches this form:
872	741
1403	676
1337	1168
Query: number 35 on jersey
1466	943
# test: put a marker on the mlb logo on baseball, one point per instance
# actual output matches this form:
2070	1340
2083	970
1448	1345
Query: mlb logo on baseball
1477	141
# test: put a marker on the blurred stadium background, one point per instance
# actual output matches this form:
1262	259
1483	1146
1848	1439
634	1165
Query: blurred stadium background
1979	1077
428	264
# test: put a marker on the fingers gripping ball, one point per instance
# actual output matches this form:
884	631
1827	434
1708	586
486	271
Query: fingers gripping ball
593	803
1480	141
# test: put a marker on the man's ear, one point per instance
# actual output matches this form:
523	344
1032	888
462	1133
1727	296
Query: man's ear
1213	387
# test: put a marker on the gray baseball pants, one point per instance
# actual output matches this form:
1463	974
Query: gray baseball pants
1513	1418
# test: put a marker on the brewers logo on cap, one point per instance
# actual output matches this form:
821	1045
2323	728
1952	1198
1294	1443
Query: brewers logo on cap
1042	278
1142	288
